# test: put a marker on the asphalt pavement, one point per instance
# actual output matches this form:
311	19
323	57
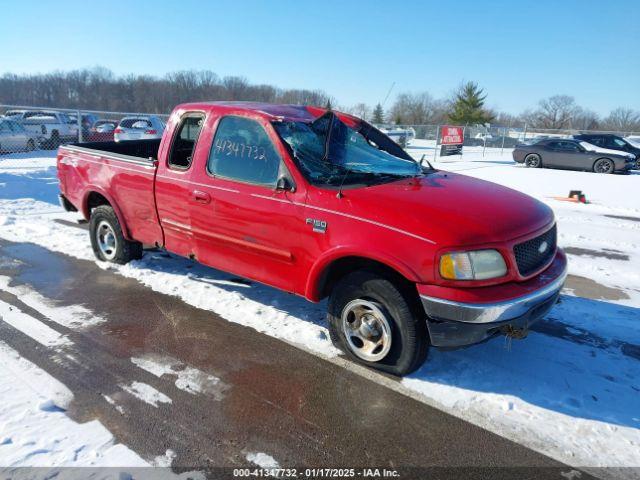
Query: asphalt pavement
265	396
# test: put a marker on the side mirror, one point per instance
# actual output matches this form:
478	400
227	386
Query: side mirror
284	185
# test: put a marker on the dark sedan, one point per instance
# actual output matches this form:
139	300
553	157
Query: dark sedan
572	155
612	142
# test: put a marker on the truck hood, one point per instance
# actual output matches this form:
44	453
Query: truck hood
447	208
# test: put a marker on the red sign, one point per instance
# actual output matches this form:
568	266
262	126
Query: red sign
451	135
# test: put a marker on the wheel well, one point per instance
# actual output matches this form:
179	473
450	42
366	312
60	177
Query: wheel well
94	200
341	267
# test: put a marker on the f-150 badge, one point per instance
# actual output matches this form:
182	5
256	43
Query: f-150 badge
319	226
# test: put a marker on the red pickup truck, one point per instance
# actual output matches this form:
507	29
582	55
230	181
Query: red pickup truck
322	204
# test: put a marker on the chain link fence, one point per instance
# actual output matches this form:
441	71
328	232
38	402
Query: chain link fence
28	129
482	140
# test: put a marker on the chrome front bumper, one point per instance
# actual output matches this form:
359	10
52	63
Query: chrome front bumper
453	324
490	312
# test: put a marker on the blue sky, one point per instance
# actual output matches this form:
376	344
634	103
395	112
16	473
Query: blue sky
518	51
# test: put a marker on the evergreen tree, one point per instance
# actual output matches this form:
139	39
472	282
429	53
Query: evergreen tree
328	106
378	115
468	106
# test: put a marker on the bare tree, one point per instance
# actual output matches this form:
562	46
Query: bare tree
417	109
100	89
623	120
555	112
361	110
585	119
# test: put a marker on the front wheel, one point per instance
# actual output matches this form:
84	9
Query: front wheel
107	240
378	323
533	160
604	165
31	145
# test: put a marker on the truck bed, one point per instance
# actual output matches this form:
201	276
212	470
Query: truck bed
134	149
122	173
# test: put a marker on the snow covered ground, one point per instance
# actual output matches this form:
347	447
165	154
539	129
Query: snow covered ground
571	390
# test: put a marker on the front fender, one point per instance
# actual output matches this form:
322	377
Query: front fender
312	290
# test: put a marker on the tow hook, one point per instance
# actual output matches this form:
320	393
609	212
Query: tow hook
511	332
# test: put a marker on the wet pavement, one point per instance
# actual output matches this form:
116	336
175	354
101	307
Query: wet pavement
260	394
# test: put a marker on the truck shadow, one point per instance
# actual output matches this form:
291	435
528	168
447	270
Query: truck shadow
583	361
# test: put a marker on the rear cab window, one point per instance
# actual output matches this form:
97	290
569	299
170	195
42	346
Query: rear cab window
242	151
185	140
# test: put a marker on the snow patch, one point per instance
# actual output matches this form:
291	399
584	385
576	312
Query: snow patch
262	460
32	327
35	430
165	460
146	393
73	316
189	379
111	401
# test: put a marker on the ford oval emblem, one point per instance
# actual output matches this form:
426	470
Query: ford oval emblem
543	247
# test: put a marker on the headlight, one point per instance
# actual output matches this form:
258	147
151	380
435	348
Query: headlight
477	265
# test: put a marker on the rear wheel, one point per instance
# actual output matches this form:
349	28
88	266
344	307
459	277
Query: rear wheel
604	165
31	145
533	160
107	240
55	139
378	323
638	164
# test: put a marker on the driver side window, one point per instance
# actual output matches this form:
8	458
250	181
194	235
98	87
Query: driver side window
242	151
569	146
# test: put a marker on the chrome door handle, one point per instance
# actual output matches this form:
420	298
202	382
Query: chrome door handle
201	197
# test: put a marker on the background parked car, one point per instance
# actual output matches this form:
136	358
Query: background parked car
53	128
138	128
101	131
14	137
612	142
572	155
88	119
478	139
634	140
489	140
401	135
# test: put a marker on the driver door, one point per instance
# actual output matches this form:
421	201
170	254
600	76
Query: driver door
242	223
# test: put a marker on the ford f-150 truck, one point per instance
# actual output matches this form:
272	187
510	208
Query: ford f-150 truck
322	204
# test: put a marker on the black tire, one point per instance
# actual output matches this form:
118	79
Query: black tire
638	164
54	141
533	160
123	251
406	320
31	145
604	165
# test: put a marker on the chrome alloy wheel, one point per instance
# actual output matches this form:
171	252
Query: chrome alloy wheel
106	239
366	329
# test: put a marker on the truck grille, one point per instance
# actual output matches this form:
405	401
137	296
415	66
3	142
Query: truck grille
529	256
